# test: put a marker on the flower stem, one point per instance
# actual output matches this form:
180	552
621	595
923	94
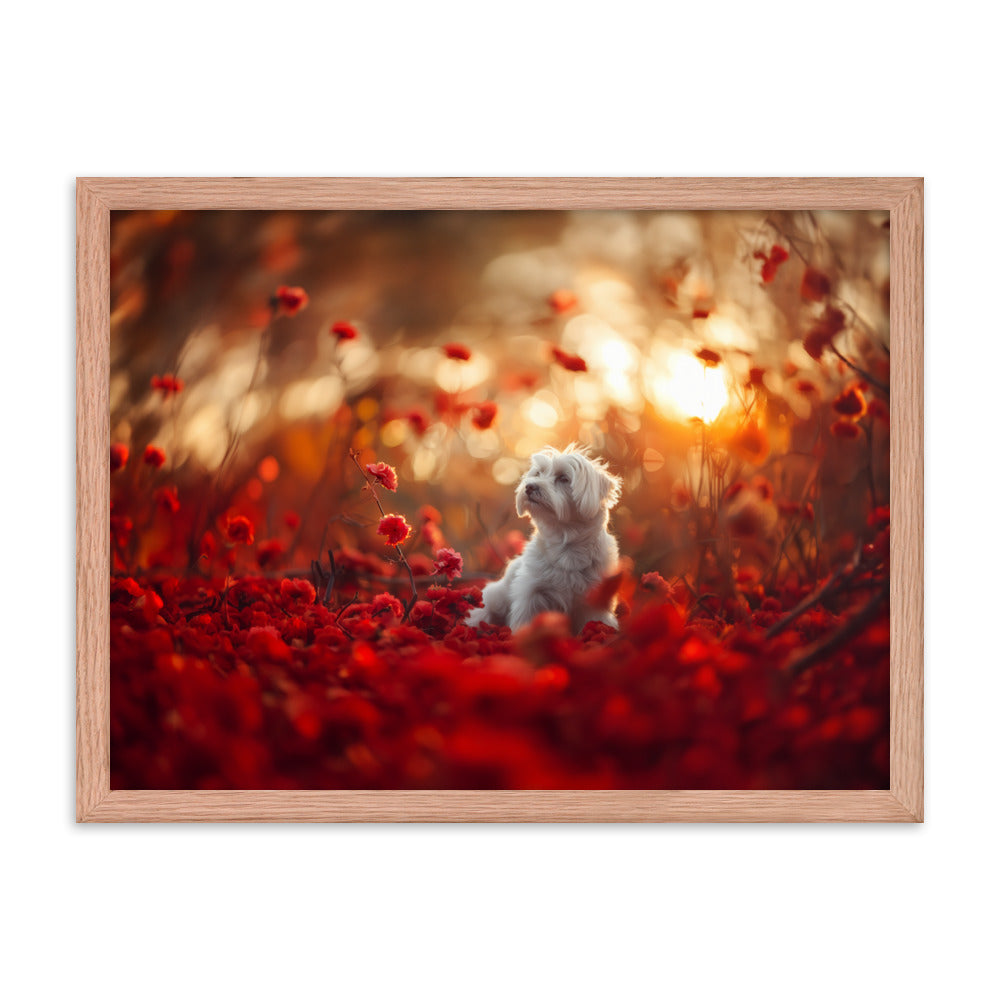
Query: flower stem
402	557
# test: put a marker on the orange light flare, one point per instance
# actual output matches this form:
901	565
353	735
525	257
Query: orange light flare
681	387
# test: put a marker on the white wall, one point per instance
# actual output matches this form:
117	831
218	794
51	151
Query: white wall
515	88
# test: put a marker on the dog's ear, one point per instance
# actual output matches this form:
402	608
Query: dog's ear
594	488
519	503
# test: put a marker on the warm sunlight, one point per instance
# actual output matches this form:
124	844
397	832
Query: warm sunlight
683	387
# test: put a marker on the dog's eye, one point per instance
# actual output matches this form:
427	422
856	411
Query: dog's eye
562	478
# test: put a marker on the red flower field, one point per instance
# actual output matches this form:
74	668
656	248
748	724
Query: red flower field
305	509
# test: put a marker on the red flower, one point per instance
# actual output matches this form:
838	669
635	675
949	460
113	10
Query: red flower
154	456
879	410
394	528
823	331
298	590
448	562
119	456
239	530
708	357
756	378
292	519
166	499
571	362
751	444
167	384
772	261
457	352
484	415
288	300
432	535
419	421
845	428
384	475
815	285
429	513
654	582
562	300
343	330
851	403
386	602
270	553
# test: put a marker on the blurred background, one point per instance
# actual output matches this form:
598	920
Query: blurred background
731	367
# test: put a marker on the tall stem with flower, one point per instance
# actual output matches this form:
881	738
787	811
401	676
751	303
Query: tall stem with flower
392	526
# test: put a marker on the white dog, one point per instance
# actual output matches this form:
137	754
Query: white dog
567	495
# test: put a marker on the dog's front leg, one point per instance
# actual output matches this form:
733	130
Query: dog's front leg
525	606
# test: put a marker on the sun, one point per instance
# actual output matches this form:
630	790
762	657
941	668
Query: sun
682	387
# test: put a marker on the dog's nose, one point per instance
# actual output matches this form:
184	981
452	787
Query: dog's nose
531	489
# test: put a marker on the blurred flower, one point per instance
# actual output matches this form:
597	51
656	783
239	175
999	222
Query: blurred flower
167	384
154	456
484	415
562	300
708	357
448	562
879	410
751	444
289	299
654	582
429	513
419	421
119	456
343	330
292	519
823	331
457	352
270	553
815	285
394	528
851	403
239	530
845	428
571	362
298	590
772	261
432	535
756	378
166	499
384	475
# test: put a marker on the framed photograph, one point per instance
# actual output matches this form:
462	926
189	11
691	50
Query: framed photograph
493	500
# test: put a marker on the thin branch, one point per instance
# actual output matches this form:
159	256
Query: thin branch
816	597
843	635
867	376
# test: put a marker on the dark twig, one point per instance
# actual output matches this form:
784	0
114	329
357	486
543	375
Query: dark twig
333	576
826	590
867	376
843	635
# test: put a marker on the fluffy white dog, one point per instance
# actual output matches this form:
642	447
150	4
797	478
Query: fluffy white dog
567	495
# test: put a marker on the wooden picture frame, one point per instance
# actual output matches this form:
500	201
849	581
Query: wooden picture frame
902	802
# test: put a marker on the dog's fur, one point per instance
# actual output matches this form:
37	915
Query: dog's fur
567	495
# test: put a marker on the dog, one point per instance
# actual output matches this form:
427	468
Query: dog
568	496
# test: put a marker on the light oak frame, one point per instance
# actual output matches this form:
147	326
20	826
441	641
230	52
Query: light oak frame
98	197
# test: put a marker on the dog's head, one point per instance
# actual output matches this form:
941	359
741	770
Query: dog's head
566	487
